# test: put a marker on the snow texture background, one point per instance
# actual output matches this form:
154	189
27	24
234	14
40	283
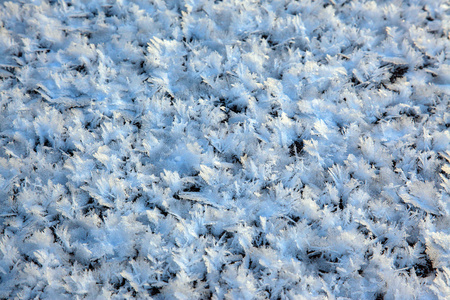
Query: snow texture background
225	149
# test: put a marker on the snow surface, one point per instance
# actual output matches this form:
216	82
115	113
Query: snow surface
225	149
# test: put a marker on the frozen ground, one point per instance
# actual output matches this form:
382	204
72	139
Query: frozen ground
225	149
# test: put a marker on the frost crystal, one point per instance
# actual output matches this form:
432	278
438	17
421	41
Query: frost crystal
204	149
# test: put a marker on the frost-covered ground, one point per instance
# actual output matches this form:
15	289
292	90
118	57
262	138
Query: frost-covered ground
225	149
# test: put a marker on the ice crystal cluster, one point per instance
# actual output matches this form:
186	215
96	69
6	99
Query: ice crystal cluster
242	149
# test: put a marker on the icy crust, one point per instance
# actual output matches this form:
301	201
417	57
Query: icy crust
225	150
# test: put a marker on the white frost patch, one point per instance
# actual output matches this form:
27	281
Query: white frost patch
213	149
